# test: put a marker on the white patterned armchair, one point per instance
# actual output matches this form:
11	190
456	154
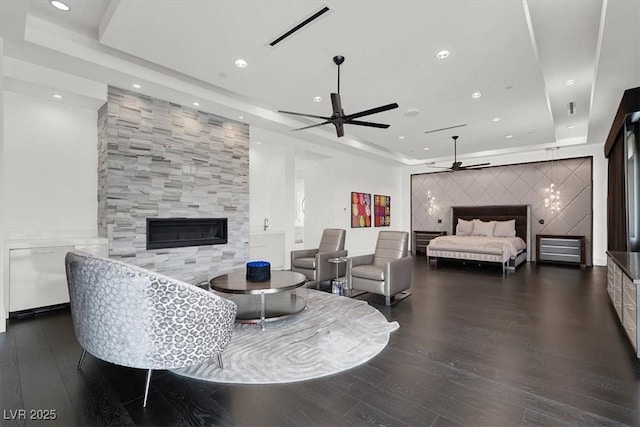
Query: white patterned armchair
133	317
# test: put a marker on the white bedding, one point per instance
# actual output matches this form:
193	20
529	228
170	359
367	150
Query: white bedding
509	246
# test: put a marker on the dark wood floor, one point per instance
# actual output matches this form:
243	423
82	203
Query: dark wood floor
537	347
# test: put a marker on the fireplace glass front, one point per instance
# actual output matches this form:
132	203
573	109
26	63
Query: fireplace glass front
181	232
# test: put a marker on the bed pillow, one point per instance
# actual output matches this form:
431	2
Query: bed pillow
505	228
464	227
482	228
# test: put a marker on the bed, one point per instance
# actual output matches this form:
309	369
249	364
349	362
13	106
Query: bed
510	247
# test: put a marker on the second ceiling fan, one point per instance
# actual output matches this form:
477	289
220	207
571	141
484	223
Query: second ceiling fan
456	165
339	118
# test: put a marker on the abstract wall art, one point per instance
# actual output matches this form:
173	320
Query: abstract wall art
360	210
381	210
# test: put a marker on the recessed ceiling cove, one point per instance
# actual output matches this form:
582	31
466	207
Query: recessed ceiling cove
520	70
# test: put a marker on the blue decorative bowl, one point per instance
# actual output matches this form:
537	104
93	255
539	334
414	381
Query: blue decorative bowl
258	271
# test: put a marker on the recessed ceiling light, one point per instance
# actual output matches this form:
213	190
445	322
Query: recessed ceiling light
195	104
241	63
56	96
317	98
259	143
571	126
59	5
401	137
136	86
570	82
495	119
426	148
510	136
443	54
241	117
476	95
412	112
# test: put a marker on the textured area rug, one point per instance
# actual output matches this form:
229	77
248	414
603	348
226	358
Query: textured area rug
331	335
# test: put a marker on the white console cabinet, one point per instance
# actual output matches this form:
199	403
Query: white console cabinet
268	247
37	276
623	278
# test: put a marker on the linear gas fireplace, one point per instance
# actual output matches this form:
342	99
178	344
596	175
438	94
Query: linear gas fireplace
181	232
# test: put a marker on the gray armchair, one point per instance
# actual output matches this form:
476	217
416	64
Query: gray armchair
387	271
314	263
133	317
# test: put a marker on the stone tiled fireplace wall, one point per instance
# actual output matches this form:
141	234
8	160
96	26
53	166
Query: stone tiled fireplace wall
519	184
161	160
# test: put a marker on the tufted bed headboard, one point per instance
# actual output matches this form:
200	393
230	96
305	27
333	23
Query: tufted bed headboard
494	213
521	213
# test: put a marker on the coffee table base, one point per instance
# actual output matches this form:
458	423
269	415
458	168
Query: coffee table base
262	308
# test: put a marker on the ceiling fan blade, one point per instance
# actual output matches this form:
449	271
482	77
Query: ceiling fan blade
313	126
304	115
339	128
336	104
371	111
369	124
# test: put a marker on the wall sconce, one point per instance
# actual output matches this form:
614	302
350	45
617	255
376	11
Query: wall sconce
552	199
431	203
551	195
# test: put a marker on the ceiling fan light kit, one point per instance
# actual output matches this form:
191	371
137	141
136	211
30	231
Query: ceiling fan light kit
339	118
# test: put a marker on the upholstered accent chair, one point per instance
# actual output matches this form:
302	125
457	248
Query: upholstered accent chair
387	271
133	317
314	263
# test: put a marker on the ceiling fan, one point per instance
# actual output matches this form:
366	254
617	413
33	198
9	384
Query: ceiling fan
456	165
339	118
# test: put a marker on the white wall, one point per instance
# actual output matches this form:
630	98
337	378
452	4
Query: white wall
272	192
328	187
3	314
267	186
49	172
50	167
599	184
329	178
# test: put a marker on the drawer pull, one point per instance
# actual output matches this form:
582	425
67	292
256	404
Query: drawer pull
43	251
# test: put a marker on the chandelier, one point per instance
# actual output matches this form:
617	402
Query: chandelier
551	194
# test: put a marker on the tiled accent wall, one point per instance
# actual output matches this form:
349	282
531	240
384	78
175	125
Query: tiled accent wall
520	184
159	159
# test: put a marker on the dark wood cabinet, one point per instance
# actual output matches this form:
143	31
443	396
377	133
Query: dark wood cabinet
421	239
560	249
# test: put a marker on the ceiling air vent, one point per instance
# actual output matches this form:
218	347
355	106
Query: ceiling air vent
447	128
299	26
571	108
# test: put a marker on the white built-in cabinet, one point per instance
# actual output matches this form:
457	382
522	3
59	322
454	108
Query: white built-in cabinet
37	276
623	278
268	247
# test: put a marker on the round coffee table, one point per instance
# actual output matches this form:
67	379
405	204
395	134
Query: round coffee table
281	296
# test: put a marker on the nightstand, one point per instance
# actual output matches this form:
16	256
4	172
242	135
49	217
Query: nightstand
560	249
421	239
